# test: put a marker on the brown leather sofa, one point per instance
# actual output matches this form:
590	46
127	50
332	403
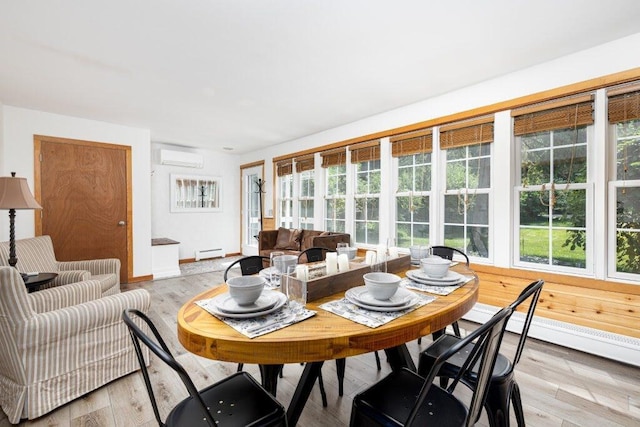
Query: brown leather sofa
294	241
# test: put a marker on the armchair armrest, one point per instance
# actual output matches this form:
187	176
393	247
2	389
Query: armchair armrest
267	239
65	296
70	276
86	329
94	266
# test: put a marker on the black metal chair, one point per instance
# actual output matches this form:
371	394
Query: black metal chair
314	254
404	398
252	265
248	265
503	388
237	400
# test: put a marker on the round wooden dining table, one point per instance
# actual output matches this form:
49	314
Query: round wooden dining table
325	336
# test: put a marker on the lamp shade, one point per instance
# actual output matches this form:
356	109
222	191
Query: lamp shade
15	194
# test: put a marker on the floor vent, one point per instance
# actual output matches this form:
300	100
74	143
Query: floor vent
209	253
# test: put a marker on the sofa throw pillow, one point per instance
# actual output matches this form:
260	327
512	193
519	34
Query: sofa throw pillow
288	239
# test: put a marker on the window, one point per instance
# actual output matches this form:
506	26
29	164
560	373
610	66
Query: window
467	149
334	164
553	193
284	171
366	197
306	191
624	119
412	152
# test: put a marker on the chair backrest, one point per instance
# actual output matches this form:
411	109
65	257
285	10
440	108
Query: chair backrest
448	252
314	254
530	293
160	349
34	254
485	351
248	265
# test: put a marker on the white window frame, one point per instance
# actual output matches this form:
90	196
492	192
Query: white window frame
612	227
411	193
465	194
587	186
285	194
305	178
366	196
335	196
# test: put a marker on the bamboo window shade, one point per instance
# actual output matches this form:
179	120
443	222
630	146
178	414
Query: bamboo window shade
306	163
410	143
365	151
624	103
284	167
468	132
562	113
334	157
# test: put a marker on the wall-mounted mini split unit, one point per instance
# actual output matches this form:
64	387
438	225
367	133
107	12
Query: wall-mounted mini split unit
181	158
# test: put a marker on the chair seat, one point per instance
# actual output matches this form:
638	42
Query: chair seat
390	401
236	400
501	370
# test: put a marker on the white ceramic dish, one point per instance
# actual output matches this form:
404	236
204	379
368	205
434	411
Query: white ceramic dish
451	279
281	300
451	276
361	294
229	305
408	304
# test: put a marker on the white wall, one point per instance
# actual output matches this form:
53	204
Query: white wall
17	155
602	60
197	231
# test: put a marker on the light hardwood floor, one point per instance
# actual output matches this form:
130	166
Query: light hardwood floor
560	386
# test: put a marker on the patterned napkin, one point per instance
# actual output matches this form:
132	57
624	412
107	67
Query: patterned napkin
256	326
433	289
345	308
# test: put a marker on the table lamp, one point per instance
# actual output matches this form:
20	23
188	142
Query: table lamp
15	194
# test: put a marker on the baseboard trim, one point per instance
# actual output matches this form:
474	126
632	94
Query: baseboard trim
617	347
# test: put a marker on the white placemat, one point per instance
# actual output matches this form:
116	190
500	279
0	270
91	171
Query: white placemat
345	308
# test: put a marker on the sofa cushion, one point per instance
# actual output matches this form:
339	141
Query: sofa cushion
288	239
306	241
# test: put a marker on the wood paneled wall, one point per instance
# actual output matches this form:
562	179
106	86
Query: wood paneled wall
607	306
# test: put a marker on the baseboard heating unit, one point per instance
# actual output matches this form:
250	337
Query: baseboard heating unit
601	343
209	253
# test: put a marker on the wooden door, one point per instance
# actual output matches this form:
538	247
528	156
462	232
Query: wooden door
82	187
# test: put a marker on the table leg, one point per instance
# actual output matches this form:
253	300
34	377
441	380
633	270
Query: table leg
399	357
302	392
269	374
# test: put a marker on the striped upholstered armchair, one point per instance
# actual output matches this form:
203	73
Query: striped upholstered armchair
36	254
60	343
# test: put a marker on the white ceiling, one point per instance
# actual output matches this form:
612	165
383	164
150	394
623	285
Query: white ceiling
252	73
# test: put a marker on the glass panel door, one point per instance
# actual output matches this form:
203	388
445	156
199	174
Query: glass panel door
251	210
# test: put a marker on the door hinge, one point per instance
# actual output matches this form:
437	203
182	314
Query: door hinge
40	157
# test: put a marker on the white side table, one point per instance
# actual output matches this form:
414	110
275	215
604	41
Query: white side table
164	258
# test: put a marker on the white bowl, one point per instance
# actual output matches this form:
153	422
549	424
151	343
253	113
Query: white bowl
381	286
245	290
435	266
419	252
350	251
